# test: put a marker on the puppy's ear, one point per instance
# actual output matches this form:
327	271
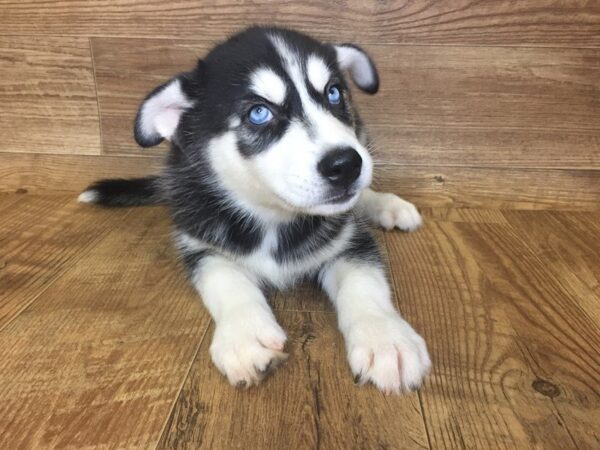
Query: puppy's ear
160	112
360	65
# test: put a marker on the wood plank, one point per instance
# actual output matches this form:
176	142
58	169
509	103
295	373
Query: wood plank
557	337
478	187
47	96
492	146
479	394
502	22
8	202
459	215
476	87
98	360
41	238
310	402
570	249
455	105
126	71
39	173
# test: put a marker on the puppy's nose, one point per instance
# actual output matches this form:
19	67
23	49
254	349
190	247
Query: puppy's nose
341	166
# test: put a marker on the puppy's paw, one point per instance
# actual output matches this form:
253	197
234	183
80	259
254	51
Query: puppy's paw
387	352
245	348
393	212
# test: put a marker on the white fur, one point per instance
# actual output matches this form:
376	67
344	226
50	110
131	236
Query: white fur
389	211
160	114
242	179
382	347
318	73
282	180
267	84
289	169
261	264
357	63
247	339
88	197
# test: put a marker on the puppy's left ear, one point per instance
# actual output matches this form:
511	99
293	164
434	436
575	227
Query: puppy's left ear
360	65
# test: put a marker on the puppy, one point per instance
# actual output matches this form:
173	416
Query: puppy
268	182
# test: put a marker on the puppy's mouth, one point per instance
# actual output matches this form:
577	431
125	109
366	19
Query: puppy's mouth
340	198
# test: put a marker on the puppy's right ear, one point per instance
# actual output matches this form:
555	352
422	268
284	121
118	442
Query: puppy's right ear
160	112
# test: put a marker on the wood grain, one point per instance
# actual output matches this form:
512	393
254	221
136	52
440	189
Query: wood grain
310	402
570	249
47	96
437	105
126	71
479	368
478	187
501	22
41	239
491	147
481	87
558	338
112	348
460	215
49	174
99	358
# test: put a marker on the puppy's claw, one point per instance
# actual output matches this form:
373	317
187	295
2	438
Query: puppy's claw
265	369
414	387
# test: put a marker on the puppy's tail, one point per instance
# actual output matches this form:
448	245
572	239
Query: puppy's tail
120	192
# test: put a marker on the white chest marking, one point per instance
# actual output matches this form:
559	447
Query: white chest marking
263	266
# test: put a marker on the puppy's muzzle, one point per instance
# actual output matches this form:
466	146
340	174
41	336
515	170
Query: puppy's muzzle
341	166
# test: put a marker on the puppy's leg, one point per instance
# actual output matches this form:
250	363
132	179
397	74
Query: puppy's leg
389	211
382	347
248	341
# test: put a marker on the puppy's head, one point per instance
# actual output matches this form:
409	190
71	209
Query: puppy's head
270	111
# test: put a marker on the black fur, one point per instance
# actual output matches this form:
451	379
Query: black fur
203	211
306	235
131	192
191	259
363	247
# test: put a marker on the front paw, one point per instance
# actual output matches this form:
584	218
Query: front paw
393	212
245	348
387	352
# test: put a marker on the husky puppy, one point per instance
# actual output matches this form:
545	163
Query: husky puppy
268	182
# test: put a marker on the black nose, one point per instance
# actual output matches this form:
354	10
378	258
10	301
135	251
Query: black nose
341	166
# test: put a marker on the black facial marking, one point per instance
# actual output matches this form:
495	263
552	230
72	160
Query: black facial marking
254	138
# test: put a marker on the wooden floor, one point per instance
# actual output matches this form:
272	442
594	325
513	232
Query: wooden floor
104	344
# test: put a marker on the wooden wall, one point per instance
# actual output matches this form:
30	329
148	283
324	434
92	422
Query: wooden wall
483	103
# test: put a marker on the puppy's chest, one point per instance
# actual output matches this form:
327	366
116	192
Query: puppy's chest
282	259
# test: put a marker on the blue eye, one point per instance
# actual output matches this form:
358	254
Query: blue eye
260	114
333	95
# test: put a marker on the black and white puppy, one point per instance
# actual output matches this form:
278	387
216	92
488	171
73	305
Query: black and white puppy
268	184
